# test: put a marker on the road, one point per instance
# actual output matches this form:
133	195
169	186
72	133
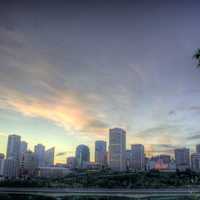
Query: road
102	192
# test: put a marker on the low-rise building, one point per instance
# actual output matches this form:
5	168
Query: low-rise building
52	172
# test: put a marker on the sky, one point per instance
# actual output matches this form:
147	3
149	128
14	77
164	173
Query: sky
70	70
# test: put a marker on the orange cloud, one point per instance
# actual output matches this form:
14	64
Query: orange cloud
63	109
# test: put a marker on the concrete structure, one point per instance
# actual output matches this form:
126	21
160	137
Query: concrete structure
182	158
100	153
52	172
49	157
71	162
2	160
198	148
13	147
28	164
39	150
23	147
82	155
117	149
137	157
10	169
195	162
128	159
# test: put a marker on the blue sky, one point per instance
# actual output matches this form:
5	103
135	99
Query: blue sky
70	71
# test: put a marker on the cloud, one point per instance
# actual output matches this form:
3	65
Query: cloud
63	109
194	137
61	154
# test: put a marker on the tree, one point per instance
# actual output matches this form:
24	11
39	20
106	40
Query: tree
197	57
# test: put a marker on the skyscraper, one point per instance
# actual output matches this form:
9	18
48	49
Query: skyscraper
40	155
100	153
23	147
198	148
82	155
195	162
28	164
10	169
137	157
13	147
182	158
49	157
117	149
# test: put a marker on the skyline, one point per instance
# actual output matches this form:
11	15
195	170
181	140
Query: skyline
70	71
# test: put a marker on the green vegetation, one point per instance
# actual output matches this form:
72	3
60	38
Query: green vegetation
108	179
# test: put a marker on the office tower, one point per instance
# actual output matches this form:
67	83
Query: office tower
49	157
13	147
1	165
100	153
82	155
198	148
128	159
137	157
117	149
71	162
182	158
10	169
23	147
28	164
195	162
40	155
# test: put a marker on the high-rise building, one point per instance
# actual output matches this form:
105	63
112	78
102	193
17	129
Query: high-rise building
28	164
1	165
100	153
49	157
10	169
13	147
195	162
23	147
117	149
182	158
40	155
128	159
82	155
198	148
137	157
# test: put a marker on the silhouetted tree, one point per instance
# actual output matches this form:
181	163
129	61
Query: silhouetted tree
197	57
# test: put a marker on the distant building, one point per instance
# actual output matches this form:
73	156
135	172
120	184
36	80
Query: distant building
52	172
182	158
49	157
2	156
40	155
71	162
117	149
100	153
128	159
82	155
13	147
28	164
137	157
2	160
10	169
195	162
198	148
23	147
165	158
